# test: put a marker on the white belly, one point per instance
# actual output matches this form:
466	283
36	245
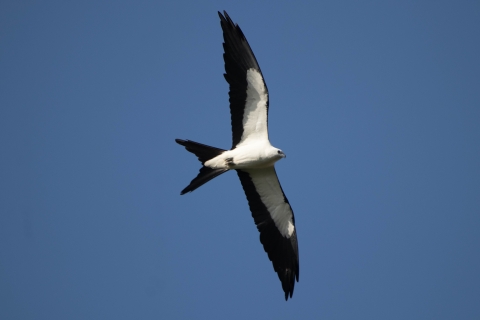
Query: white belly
259	155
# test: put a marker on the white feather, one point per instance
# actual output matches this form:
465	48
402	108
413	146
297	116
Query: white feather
267	186
255	113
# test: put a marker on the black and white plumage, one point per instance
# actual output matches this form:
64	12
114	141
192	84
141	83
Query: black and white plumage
252	156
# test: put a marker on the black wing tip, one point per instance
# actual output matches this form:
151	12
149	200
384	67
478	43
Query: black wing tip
231	27
288	294
288	283
224	16
289	272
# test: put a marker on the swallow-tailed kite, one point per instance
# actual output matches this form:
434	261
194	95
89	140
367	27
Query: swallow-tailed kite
252	156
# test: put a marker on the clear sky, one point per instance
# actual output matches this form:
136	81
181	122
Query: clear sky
375	103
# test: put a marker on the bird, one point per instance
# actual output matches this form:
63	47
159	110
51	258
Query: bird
252	156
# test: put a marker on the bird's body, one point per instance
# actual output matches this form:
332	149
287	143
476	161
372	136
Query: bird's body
252	156
256	155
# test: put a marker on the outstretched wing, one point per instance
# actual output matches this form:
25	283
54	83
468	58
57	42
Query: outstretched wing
248	91
275	221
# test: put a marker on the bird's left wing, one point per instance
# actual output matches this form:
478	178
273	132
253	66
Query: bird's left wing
275	222
248	91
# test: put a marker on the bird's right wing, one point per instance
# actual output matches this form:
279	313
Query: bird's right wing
248	91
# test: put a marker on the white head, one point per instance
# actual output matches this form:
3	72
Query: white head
275	153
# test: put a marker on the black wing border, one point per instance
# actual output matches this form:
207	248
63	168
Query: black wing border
239	58
282	251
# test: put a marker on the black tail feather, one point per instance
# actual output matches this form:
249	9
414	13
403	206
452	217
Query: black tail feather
204	153
206	174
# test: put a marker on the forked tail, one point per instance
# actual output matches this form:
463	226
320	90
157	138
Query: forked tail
204	153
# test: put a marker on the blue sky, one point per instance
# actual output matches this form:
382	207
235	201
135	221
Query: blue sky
375	103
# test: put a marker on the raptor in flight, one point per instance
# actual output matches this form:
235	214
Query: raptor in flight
252	156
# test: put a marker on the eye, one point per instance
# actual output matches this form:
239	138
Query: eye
279	152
